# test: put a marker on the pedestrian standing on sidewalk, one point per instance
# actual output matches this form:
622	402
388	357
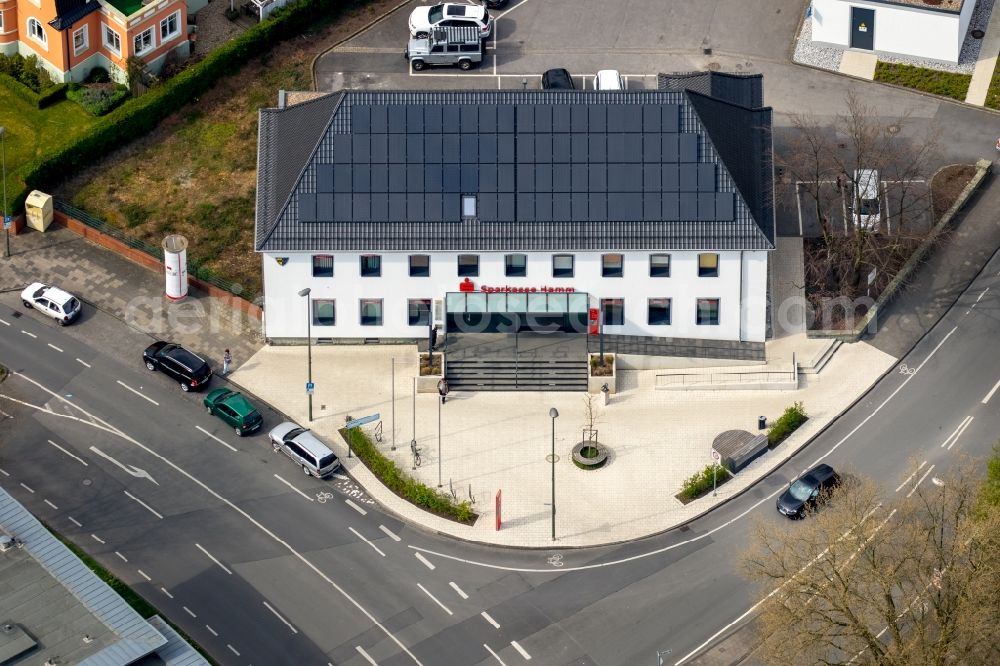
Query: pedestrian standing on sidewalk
443	390
227	360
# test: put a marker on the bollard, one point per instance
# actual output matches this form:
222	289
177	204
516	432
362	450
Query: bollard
606	393
761	423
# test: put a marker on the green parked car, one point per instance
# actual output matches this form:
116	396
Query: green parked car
234	409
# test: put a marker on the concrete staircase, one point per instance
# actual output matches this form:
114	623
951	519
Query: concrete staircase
821	359
497	374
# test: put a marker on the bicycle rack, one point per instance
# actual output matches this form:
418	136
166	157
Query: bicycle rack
378	433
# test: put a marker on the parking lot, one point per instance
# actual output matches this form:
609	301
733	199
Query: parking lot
638	38
901	202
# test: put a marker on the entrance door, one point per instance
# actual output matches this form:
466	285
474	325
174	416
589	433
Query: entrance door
862	28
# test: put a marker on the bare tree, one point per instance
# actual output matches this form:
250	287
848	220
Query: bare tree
876	580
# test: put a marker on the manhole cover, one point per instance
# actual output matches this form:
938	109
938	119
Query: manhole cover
978	34
893	129
714	66
17	315
551	459
87	482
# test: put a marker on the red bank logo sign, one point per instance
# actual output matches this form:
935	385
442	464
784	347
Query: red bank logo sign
468	285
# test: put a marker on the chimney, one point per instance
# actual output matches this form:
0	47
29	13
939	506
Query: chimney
282	99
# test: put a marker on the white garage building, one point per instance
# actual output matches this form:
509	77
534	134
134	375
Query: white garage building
926	29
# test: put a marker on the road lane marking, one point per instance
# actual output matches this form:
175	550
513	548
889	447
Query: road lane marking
992	392
131	470
229	503
189	611
426	562
146	506
278	615
212	630
356	507
294	488
364	654
495	655
389	533
358	534
225	444
489	618
71	455
32	335
982	294
919	481
143	574
122	557
968	422
233	649
28	489
56	348
164	590
5	323
457	589
920	467
51	504
446	609
138	393
75	521
83	363
524	653
212	557
4	472
947	443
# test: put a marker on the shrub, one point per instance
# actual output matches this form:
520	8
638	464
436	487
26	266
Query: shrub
99	98
403	484
19	89
26	71
936	82
98	75
786	424
701	482
52	95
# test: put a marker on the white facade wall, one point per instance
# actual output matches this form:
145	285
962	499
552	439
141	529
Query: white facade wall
899	29
741	287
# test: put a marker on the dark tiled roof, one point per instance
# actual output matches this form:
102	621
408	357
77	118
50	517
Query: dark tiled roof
385	170
740	89
69	12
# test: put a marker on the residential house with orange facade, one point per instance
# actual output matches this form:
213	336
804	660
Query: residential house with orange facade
71	37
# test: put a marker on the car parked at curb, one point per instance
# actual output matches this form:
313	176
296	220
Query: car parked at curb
450	15
233	408
557	79
496	4
189	369
53	302
609	79
305	449
807	491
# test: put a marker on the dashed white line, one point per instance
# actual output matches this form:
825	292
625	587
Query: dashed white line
121	557
920	467
56	348
5	323
294	488
389	533
189	611
358	534
212	557
214	633
28	488
364	654
919	481
445	608
71	455
31	335
426	562
144	505
489	618
458	590
51	504
225	444
233	649
992	392
138	393
953	437
495	655
144	575
83	363
278	615
355	507
75	521
524	653
4	472
164	590
982	294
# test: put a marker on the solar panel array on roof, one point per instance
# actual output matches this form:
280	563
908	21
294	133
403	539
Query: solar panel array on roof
529	163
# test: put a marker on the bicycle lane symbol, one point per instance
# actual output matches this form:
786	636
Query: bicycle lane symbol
323	496
555	560
904	370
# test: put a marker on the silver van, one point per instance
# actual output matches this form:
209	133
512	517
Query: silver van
867	201
305	449
446	46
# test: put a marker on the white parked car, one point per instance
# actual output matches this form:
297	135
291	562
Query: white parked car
56	303
303	447
609	79
450	14
867	200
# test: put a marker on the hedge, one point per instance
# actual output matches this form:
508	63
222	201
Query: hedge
934	81
786	424
52	95
702	481
48	97
141	115
403	484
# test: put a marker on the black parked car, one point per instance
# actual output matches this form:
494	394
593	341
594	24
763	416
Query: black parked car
557	79
496	4
185	366
807	490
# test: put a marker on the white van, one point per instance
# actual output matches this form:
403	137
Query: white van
867	201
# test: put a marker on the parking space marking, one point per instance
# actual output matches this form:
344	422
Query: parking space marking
83	363
31	335
138	393
389	533
164	590
294	488
51	504
189	611
228	446
97	539
75	521
524	653
489	618
28	489
233	649
71	455
121	557
355	507
278	615
495	655
143	574
457	589
4	472
5	323
358	534
212	631
426	562
212	557
144	505
445	608
364	654
56	348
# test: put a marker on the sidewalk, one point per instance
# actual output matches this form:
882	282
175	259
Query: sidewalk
986	63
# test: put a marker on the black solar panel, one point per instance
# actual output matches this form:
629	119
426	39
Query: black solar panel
579	147
488	179
432	119
361	148
470	148
689	178
505	148
432	207
397	119
397	178
452	207
525	148
706	177
486	206
670	174
579	206
470	179
650	118
342	178
342	207
633	147
525	119
671	152
361	119
307	207
543	118
415	207
342	148
543	207
487	148
397	148
415	149
598	118
451	148
451	118
598	176
543	178
432	148
633	177
505	206
487	117
689	147
670	116
470	119
651	147
526	178
505	119
616	177
379	148
689	206
562	179
362	208
651	207
380	178
706	206
432	178
579	178
597	148
579	118
380	208
561	118
598	208
561	148
452	178
324	178
414	119
724	206
362	178
397	207
632	114
414	178
651	178
506	178
616	147
526	206
562	210
543	148
670	206
379	117
324	208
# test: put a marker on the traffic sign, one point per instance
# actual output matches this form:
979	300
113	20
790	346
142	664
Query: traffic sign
6	222
363	420
310	387
716	456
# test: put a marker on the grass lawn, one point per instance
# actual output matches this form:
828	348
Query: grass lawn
948	84
31	132
196	173
993	94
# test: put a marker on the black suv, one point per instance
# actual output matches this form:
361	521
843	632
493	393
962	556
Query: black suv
185	366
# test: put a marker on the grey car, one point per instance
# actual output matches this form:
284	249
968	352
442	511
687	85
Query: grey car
446	46
303	447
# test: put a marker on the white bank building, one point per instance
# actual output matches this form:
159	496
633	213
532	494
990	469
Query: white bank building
643	216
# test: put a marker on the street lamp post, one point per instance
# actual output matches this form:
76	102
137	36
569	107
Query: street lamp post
440	400
939	573
553	414
6	225
306	292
